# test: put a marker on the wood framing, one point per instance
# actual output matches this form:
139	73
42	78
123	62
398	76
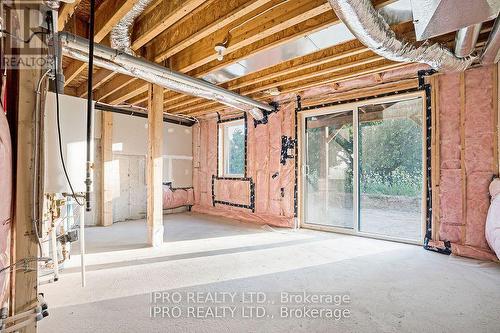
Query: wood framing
165	14
462	158
65	13
26	246
107	170
154	165
106	17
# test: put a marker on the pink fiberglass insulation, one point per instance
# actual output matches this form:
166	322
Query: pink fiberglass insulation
274	182
466	171
175	198
237	192
5	203
493	219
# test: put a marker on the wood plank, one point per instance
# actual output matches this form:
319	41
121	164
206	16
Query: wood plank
165	14
154	165
65	13
107	170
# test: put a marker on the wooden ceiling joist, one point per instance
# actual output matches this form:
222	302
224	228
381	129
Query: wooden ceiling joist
164	15
65	13
334	67
350	74
201	24
182	35
100	77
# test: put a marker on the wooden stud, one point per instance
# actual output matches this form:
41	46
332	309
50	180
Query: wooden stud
26	282
435	158
107	169
155	166
462	157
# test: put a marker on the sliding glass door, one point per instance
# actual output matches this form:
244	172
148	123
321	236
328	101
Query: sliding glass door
362	168
329	172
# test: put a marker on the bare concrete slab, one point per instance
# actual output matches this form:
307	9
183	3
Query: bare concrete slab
391	287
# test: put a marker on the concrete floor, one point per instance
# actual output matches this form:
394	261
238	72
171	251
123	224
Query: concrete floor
392	287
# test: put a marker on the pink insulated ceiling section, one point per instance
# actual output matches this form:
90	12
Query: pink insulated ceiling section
468	159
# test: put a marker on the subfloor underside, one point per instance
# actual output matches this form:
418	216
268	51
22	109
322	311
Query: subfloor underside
392	287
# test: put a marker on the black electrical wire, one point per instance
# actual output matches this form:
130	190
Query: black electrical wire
26	41
56	89
90	113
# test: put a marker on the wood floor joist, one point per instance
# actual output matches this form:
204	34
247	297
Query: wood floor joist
66	11
336	66
162	16
201	24
348	74
327	18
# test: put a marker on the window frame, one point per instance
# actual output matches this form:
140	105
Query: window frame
223	147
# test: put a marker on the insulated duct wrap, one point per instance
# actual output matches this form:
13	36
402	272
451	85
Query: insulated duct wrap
114	60
120	35
369	26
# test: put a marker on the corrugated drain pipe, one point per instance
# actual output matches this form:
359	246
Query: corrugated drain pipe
371	29
77	48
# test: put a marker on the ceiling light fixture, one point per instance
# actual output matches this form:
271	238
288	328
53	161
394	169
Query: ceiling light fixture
220	49
273	91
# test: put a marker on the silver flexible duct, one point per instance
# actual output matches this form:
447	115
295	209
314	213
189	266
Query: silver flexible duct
121	33
371	29
466	40
76	47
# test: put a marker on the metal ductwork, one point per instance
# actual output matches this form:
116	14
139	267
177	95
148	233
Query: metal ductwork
433	18
121	34
491	53
466	40
77	48
365	22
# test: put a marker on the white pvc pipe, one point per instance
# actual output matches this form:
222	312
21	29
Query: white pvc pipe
82	242
55	259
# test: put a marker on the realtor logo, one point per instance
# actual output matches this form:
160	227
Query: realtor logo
24	33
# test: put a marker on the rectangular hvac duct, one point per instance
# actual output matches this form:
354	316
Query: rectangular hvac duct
437	17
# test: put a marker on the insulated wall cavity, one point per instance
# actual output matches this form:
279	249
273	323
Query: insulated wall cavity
273	182
468	155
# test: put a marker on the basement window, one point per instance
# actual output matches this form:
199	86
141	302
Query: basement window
232	148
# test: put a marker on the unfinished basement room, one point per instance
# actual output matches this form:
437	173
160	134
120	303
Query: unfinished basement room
249	166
